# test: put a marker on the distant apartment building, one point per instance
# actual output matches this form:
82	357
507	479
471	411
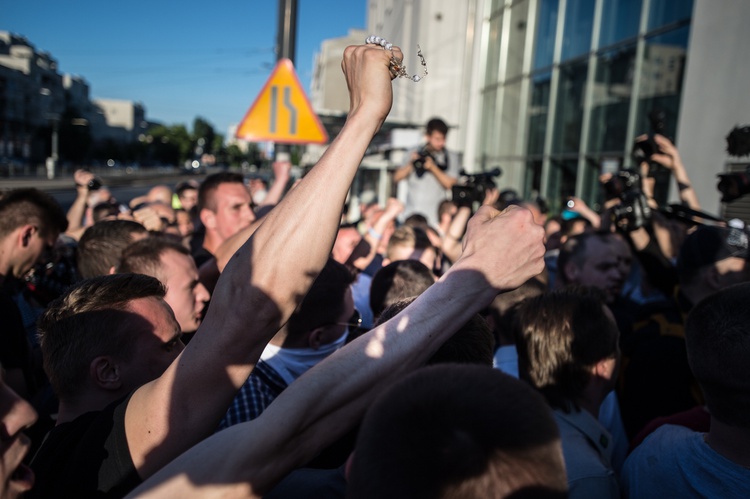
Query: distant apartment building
124	121
35	98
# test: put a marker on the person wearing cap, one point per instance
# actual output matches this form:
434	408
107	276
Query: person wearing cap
656	379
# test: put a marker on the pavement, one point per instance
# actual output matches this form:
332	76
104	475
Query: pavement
110	178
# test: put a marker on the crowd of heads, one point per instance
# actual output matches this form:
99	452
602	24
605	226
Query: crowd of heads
601	323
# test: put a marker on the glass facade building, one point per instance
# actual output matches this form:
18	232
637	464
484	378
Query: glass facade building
569	84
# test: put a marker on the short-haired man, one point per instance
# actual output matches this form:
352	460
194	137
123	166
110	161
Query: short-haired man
319	327
100	247
678	462
458	431
170	262
16	415
568	349
436	170
30	222
410	243
224	208
591	259
396	281
143	397
657	380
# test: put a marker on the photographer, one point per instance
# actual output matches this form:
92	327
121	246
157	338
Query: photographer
430	172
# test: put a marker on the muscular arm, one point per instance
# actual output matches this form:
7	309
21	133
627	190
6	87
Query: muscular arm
247	459
446	180
262	285
403	172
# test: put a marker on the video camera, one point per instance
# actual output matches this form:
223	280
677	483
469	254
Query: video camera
633	212
473	187
735	185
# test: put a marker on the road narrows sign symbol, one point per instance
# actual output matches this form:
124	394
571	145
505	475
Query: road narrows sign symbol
281	112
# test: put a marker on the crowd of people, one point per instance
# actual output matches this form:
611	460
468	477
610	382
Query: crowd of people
233	340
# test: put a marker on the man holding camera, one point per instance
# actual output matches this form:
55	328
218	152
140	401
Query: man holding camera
430	172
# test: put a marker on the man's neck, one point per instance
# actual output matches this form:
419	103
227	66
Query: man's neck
732	442
72	409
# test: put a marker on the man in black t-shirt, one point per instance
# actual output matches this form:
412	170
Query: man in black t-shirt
30	222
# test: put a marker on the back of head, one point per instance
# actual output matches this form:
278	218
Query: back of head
211	183
407	237
324	302
717	336
458	431
19	207
502	309
144	256
396	281
90	320
100	247
561	335
473	343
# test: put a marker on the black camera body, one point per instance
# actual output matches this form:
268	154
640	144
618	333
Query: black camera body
473	187
633	212
736	185
418	163
643	150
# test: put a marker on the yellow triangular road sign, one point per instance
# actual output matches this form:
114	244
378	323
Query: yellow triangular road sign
281	112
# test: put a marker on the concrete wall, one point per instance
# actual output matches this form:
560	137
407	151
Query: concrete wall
716	95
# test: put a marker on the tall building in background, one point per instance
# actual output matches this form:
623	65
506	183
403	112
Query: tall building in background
551	90
40	107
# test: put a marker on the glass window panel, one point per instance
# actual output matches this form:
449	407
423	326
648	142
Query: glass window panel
592	193
533	179
620	20
509	117
544	46
579	24
497	4
562	181
517	40
613	87
569	112
663	12
661	79
538	111
489	123
493	50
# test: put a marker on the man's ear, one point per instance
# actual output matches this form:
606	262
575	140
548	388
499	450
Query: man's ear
105	373
25	234
208	218
605	369
315	337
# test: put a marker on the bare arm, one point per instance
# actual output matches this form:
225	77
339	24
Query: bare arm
405	170
261	286
393	208
452	240
669	157
447	181
281	178
247	459
78	209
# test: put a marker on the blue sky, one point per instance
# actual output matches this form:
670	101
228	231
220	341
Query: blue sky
181	59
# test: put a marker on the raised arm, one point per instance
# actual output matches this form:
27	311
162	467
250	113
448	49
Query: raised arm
502	251
261	285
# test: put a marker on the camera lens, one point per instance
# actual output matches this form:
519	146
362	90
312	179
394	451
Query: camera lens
570	203
94	184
